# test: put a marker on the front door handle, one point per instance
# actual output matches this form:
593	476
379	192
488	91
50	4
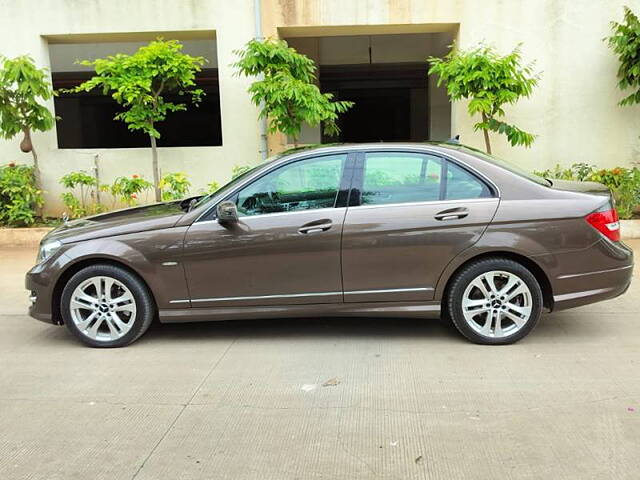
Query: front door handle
451	214
316	226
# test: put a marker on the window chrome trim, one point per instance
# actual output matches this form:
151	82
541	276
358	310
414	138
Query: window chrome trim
383	148
428	202
388	290
274	214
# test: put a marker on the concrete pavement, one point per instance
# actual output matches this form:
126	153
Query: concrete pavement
245	400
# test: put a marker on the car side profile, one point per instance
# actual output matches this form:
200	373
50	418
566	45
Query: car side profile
388	230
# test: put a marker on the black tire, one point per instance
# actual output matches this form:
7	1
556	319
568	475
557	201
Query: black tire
463	278
144	304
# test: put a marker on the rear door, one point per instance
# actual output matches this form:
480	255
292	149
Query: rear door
409	214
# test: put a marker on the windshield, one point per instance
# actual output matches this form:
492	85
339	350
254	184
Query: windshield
507	166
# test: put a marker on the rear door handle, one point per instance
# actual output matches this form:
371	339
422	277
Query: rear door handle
451	214
315	227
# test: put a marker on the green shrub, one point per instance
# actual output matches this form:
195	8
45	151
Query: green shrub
127	189
623	182
174	186
86	185
19	196
213	187
238	170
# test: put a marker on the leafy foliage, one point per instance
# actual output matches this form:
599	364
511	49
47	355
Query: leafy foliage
19	196
490	81
238	170
286	93
138	82
212	187
123	189
624	183
127	189
174	186
86	204
625	43
22	88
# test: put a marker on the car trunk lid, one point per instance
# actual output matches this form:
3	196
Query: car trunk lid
581	187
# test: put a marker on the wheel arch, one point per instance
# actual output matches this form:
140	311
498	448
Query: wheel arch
537	271
74	268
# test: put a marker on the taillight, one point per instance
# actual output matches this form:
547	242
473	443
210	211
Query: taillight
606	222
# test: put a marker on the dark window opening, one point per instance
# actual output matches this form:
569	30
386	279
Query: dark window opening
391	101
87	119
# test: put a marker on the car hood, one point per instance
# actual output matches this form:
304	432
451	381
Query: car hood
119	222
581	187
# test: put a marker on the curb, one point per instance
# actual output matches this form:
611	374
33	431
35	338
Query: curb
630	229
22	237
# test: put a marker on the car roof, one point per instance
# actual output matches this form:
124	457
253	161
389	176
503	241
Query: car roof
320	148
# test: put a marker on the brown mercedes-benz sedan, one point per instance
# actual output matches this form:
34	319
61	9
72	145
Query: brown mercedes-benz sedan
385	230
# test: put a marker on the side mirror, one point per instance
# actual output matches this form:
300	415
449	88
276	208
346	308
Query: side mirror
227	212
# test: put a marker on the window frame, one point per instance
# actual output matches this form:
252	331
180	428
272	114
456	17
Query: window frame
355	195
342	198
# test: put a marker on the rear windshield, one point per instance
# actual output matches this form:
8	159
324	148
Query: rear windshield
513	168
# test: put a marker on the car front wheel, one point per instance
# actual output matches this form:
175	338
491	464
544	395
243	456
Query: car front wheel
495	301
106	306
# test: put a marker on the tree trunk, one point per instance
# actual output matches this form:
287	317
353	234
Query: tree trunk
97	175
156	172
26	145
486	135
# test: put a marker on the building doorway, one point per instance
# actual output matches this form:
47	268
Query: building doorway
390	102
386	77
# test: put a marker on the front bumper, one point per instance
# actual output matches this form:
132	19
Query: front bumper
40	282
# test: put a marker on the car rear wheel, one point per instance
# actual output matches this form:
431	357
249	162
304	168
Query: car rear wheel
106	306
494	301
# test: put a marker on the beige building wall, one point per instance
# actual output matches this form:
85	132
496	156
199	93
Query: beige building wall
28	26
574	110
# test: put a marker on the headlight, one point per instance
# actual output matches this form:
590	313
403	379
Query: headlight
47	249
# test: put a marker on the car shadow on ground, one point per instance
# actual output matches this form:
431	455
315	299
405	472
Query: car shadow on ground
552	327
308	327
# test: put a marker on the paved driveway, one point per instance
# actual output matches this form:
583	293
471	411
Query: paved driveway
403	398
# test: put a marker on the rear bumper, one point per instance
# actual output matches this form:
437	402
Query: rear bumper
610	278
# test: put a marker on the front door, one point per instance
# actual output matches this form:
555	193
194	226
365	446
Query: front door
411	214
286	247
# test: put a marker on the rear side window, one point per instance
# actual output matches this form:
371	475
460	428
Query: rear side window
404	177
462	185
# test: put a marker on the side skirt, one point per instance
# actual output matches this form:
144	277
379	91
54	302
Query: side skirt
372	309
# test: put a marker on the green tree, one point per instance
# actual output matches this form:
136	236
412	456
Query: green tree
286	92
138	83
489	81
625	43
22	88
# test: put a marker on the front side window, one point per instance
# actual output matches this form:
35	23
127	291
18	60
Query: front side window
304	185
404	177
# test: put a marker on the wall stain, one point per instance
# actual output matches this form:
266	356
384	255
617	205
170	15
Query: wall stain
289	12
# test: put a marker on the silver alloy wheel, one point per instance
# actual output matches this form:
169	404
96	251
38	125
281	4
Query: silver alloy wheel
103	308
497	304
